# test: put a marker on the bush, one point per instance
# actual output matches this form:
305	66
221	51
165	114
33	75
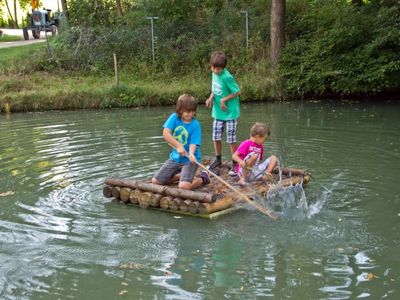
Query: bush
343	50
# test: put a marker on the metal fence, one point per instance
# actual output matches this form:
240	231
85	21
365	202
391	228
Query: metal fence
236	32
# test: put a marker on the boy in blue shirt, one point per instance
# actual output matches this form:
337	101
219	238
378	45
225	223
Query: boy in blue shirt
224	100
183	132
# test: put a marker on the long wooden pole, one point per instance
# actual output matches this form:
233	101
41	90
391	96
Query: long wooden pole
243	196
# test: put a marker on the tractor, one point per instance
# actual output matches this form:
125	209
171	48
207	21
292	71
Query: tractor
41	20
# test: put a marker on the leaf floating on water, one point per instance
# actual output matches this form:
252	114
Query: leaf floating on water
8	193
371	276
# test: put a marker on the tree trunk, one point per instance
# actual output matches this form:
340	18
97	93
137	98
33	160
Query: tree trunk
165	201
155	200
10	14
174	204
64	8
119	7
144	200
161	189
115	191
124	194
208	208
15	13
277	28
183	206
107	192
134	196
194	207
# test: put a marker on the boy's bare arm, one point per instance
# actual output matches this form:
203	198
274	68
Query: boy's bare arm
192	149
167	135
236	158
210	100
227	98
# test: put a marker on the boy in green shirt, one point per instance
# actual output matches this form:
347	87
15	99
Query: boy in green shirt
224	100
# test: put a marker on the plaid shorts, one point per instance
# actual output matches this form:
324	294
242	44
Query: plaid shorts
231	130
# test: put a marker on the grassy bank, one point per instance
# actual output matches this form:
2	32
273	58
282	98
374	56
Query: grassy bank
46	88
60	91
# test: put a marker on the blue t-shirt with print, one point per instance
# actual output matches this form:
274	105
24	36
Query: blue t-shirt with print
186	134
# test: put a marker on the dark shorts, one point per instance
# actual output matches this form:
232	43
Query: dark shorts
170	168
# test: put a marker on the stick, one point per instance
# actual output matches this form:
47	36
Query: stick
243	196
116	69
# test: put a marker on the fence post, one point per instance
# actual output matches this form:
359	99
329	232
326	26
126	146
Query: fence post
116	69
152	34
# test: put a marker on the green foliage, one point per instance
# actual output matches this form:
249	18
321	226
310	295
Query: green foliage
342	49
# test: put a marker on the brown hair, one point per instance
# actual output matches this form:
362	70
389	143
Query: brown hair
218	59
185	102
260	129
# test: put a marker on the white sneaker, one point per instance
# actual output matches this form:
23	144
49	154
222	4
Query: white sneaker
232	173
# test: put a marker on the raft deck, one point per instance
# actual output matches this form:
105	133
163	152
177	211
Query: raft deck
209	201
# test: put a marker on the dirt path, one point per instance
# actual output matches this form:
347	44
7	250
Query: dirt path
18	32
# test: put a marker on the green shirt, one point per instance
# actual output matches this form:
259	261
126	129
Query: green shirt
223	85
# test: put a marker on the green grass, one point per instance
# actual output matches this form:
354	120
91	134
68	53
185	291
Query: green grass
13	56
9	38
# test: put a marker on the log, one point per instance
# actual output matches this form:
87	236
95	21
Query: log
291	171
194	207
294	180
134	196
184	205
164	202
107	191
155	200
164	190
115	192
144	200
174	204
221	204
124	194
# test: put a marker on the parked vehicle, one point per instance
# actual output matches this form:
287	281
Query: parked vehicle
41	20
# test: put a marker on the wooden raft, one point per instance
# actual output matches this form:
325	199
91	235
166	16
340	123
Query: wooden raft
209	201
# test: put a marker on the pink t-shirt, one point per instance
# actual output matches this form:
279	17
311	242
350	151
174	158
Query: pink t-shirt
247	147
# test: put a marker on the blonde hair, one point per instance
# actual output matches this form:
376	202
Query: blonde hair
260	129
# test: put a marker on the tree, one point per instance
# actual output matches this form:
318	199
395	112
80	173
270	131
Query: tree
64	8
277	26
119	7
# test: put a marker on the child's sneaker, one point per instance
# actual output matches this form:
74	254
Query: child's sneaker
215	164
232	171
204	176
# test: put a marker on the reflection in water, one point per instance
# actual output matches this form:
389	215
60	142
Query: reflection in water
59	238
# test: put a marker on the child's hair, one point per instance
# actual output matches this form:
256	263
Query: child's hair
185	102
218	59
260	129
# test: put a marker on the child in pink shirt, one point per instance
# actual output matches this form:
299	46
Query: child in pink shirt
250	153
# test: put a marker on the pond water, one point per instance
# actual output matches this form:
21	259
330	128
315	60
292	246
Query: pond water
61	239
